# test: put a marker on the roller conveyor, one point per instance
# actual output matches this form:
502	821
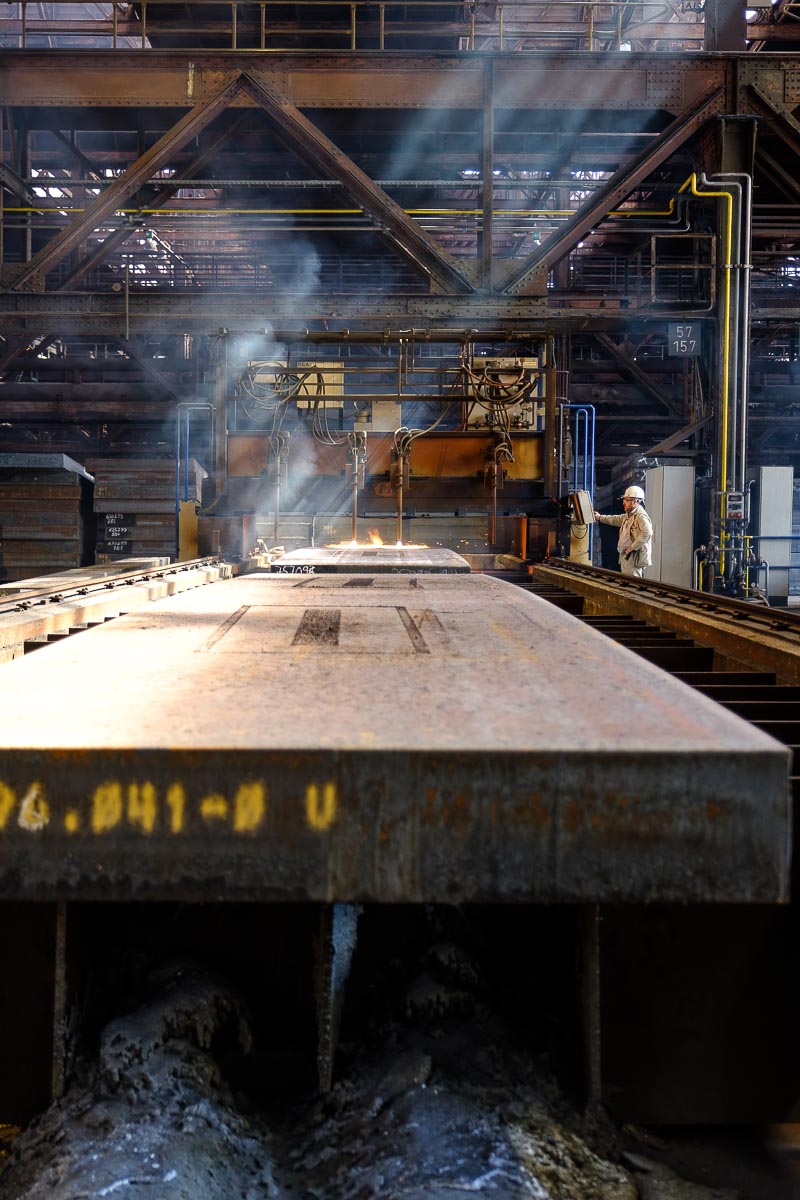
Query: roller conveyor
390	737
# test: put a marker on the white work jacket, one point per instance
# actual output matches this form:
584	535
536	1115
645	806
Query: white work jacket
635	534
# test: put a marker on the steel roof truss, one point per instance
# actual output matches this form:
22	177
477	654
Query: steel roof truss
315	149
624	181
33	273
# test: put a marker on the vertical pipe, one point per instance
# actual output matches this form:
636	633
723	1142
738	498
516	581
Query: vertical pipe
741	314
234	26
523	537
187	417
276	459
263	24
178	430
277	521
127	302
220	432
352	26
560	454
549	417
182	411
355	501
399	530
382	26
487	175
585	417
746	268
725	337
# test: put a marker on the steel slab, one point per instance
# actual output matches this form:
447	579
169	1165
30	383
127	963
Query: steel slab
370	560
43	462
424	738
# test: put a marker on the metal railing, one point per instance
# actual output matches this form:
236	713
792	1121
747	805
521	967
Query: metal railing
354	25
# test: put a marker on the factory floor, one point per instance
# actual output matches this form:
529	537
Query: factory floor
737	1162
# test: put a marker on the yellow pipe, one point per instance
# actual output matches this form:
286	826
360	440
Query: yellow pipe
644	212
726	196
722	195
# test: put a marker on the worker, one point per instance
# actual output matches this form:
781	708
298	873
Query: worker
635	533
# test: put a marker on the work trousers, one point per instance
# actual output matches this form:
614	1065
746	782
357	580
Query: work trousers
626	565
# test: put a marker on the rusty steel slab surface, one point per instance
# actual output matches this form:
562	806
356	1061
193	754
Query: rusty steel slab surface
370	560
386	737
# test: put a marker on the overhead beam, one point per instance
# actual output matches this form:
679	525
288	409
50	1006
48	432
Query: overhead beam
628	367
32	275
783	123
155	198
61	79
625	180
147	367
207	311
76	407
675	439
314	148
22	346
17	185
77	154
766	31
766	339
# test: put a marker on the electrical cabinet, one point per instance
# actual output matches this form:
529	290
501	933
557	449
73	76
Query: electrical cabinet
670	503
771	518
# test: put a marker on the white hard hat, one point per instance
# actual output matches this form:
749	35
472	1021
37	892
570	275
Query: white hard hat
633	493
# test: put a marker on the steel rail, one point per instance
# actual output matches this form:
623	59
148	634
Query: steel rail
24	600
708	602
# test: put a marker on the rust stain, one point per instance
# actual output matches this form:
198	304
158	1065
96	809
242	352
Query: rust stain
572	817
536	811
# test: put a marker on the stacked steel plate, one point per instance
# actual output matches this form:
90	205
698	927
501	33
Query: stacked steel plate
45	515
135	505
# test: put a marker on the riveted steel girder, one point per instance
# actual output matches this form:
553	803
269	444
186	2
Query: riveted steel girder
156	198
241	311
317	150
644	82
616	189
629	367
33	273
783	123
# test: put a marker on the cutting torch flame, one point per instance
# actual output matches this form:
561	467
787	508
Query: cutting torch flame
376	540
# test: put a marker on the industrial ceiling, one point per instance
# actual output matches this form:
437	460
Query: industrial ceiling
187	188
